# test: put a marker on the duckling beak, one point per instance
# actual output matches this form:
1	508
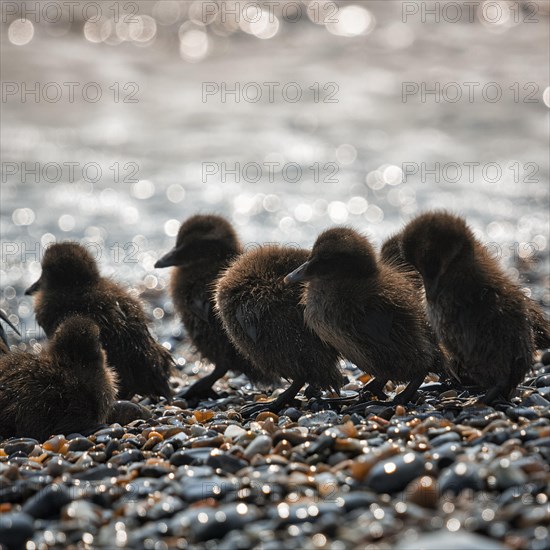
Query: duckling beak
298	274
4	317
169	259
33	288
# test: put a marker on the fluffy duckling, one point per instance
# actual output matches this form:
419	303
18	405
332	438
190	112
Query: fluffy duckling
66	389
205	246
481	316
71	283
265	321
368	310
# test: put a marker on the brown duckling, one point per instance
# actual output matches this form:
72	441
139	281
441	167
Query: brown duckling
368	310
71	283
67	388
481	316
205	246
4	344
265	320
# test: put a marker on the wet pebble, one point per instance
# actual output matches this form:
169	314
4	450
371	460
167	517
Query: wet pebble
15	530
394	474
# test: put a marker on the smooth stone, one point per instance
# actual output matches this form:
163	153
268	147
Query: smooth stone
48	502
15	530
84	511
193	489
543	381
460	476
233	432
22	444
97	473
459	540
394	474
131	455
544	391
226	462
80	444
154	470
535	400
198	455
545	359
357	500
449	437
142	487
56	466
293	413
166	507
323	418
516	412
260	445
506	475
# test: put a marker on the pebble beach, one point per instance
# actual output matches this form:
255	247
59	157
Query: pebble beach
442	472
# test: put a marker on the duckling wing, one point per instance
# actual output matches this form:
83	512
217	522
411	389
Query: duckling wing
377	325
200	306
249	322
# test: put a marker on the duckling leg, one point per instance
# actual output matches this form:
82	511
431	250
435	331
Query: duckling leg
400	399
375	387
407	394
203	387
493	396
273	406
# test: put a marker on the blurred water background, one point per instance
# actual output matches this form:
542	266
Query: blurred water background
149	137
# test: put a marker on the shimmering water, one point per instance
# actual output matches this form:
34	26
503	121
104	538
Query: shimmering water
351	150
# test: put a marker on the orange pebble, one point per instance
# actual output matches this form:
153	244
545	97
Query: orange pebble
203	416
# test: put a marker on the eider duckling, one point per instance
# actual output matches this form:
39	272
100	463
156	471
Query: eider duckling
367	310
4	344
67	388
205	246
481	316
71	283
265	321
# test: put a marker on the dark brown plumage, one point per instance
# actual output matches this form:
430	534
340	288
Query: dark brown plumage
368	310
481	316
66	389
4	344
71	283
205	246
392	254
265	321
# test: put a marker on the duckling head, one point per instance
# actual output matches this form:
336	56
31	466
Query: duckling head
201	237
66	266
340	252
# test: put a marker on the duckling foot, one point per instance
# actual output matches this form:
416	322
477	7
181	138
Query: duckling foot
360	406
375	387
494	396
202	389
275	406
